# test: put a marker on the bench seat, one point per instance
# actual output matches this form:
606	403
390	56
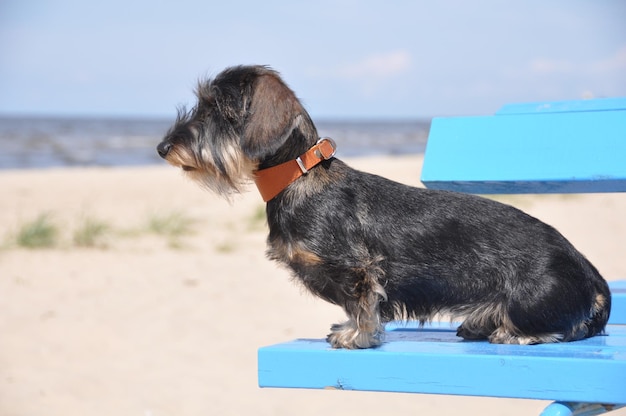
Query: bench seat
432	359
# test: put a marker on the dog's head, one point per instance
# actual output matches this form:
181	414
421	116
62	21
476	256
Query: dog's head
245	119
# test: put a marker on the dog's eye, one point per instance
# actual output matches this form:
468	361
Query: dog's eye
188	168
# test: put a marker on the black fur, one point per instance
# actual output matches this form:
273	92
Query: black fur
382	250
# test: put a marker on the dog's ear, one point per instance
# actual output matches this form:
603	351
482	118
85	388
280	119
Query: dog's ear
273	113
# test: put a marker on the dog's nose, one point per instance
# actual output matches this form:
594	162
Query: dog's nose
164	148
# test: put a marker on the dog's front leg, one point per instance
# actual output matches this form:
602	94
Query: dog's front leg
364	328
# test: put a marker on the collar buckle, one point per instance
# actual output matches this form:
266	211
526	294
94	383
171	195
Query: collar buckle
326	148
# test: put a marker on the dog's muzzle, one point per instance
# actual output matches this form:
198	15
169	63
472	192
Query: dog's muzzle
164	148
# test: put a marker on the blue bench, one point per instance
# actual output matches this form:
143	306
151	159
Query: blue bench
553	147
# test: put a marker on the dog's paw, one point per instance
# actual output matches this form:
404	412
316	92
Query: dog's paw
501	336
470	334
346	336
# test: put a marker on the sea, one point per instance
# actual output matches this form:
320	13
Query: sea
52	142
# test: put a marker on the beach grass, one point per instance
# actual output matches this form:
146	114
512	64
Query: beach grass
258	219
44	232
91	233
172	225
41	232
225	247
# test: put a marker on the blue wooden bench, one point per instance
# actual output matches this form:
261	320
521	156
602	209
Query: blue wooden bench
553	147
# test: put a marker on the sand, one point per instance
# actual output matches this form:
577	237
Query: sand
149	325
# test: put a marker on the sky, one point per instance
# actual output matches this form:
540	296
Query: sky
344	59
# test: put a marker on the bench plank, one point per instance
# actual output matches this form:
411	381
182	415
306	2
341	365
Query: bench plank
555	152
433	360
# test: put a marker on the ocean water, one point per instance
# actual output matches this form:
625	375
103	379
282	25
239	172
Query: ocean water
32	143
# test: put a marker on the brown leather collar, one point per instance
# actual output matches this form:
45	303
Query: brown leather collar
272	181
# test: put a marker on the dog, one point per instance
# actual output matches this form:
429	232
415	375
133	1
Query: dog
379	249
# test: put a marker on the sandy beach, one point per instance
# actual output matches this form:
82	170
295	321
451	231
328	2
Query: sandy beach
149	320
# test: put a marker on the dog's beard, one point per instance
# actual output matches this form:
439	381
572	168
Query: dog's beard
226	172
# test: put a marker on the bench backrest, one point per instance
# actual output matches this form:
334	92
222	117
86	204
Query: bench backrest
548	147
